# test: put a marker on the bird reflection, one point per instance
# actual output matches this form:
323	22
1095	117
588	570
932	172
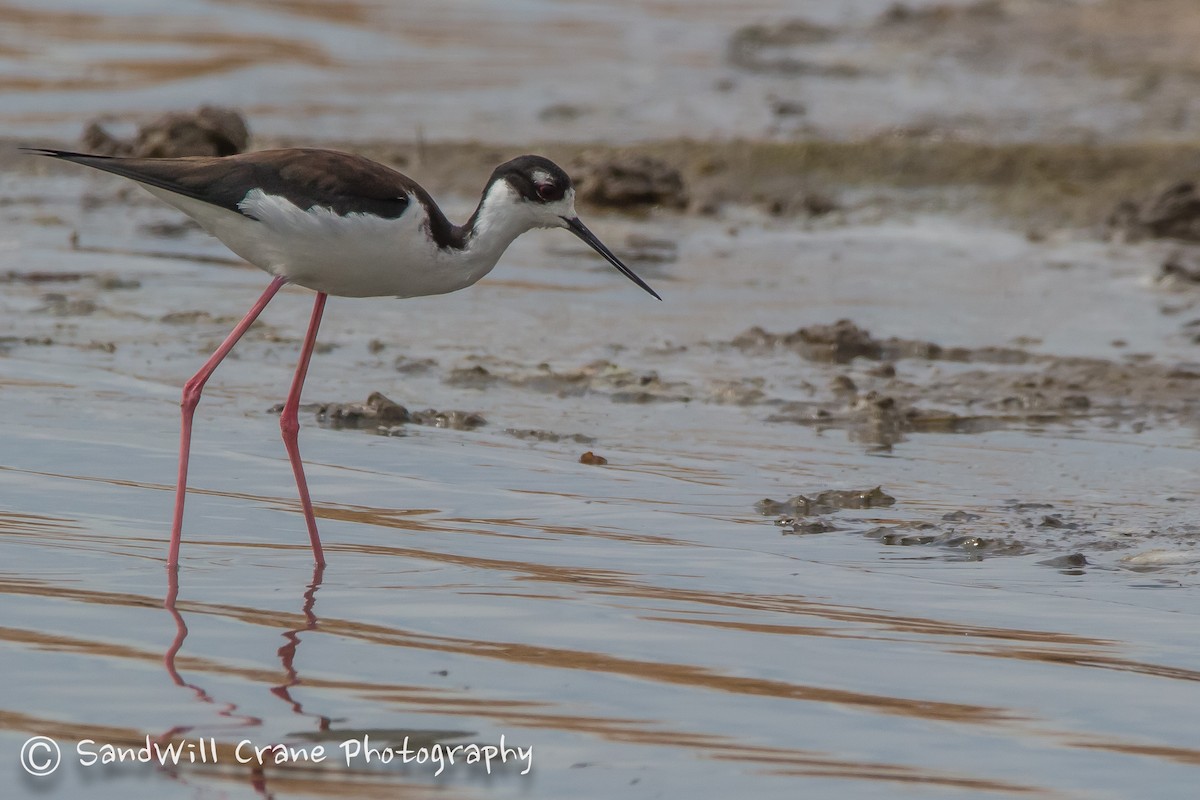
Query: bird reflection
287	653
287	656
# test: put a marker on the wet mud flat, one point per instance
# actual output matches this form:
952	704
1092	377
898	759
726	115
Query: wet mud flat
924	465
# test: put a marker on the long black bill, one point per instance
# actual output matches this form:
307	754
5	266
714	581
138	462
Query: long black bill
580	230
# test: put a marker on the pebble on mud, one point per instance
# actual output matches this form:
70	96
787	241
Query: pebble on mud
591	458
208	131
625	181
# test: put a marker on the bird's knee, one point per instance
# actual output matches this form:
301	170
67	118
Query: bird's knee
289	426
191	394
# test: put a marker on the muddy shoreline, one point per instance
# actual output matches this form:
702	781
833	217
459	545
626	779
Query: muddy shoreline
1038	186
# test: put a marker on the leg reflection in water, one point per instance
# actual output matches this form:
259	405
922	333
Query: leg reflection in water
287	656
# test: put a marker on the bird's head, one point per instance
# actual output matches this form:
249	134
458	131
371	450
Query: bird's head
543	196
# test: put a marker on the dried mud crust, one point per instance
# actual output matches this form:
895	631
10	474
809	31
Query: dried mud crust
872	394
880	391
1070	541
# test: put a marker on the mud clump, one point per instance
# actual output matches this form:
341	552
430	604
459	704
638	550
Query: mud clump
208	131
1172	213
806	526
628	181
538	435
881	420
826	502
60	305
383	415
843	341
774	49
476	377
939	14
413	366
377	411
621	384
971	548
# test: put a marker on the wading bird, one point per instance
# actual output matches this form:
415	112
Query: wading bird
341	224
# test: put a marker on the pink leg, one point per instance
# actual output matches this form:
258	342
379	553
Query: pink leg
289	424
191	397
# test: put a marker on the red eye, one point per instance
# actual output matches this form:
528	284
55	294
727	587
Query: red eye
548	191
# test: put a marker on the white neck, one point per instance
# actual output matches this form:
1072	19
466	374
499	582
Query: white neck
496	223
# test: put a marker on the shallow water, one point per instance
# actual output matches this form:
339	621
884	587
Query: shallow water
1018	622
639	624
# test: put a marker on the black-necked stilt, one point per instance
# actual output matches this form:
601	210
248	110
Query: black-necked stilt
341	224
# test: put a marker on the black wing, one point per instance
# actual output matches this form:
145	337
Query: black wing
341	182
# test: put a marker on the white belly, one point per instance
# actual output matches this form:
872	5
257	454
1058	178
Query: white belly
356	255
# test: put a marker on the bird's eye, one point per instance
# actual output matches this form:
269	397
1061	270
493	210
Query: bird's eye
549	192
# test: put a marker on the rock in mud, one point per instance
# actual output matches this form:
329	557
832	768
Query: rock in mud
377	411
629	181
591	458
208	131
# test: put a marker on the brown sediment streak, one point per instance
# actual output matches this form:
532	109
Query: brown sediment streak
609	582
540	714
343	13
520	653
1091	660
13	522
1182	755
420	696
230	51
